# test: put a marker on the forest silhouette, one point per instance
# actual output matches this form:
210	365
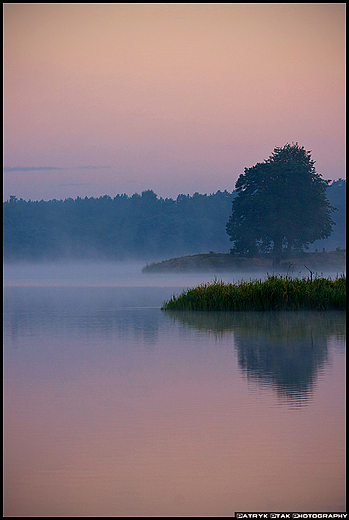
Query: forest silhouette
142	226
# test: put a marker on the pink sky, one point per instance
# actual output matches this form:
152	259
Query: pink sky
178	98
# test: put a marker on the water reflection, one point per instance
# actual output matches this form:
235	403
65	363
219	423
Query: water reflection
83	311
284	350
115	408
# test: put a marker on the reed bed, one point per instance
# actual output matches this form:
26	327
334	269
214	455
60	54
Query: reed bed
274	293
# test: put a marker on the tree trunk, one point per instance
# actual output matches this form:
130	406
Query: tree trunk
277	251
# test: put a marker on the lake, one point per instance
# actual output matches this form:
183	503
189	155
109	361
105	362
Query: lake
113	407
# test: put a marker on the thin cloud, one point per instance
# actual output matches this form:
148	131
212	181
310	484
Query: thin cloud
89	167
30	168
8	169
75	184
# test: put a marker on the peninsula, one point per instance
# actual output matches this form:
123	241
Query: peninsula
225	262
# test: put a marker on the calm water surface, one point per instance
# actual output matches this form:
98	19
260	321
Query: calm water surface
113	407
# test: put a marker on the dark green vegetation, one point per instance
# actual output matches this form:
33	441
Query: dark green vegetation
143	227
280	204
275	293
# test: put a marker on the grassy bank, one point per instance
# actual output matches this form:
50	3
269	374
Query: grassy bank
220	262
275	293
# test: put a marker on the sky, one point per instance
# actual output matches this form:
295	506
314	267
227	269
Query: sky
105	99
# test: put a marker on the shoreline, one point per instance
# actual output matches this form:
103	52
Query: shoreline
225	262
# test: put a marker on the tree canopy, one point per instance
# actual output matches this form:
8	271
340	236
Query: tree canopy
280	203
142	226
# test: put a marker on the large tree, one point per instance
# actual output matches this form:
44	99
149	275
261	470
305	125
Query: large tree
280	203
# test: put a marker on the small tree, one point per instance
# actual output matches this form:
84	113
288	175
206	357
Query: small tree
280	203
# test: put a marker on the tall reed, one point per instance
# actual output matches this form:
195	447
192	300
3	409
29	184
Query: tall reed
274	293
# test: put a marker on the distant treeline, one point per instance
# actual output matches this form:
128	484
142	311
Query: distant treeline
336	194
145	226
141	227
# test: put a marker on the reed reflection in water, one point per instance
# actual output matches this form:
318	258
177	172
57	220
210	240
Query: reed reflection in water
114	408
284	350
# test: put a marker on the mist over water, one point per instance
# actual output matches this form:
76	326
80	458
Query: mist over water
113	407
127	274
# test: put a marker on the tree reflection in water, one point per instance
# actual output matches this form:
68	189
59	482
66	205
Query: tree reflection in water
284	350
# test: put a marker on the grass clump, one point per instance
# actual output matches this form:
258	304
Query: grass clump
275	293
